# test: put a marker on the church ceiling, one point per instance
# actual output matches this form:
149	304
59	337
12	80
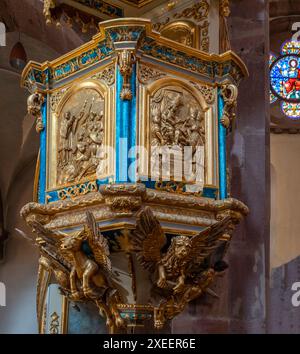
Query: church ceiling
86	14
138	3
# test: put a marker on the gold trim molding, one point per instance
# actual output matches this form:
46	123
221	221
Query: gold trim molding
103	35
149	196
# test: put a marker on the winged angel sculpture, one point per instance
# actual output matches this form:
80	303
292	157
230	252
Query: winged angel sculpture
82	275
188	266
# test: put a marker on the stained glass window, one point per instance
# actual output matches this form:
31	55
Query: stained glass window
285	79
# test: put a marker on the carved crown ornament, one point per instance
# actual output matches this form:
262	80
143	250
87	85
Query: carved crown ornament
133	218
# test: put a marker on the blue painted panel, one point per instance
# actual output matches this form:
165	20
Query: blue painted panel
222	151
132	141
125	128
209	192
43	156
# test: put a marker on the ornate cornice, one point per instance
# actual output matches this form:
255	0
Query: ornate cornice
149	43
136	194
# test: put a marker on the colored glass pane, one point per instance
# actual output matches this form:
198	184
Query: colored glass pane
272	58
273	98
291	110
290	47
285	78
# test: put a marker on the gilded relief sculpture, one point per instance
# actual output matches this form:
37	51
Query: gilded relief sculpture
82	278
176	119
114	238
81	132
189	26
187	267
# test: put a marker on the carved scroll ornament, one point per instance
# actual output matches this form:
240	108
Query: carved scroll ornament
229	93
34	107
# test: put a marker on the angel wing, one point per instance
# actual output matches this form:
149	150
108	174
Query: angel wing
97	242
148	239
206	243
49	242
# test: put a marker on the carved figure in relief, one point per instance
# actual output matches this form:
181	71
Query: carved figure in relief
80	136
172	123
82	276
176	119
188	266
65	141
195	129
175	304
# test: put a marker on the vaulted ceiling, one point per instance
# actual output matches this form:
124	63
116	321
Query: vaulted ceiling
71	25
26	17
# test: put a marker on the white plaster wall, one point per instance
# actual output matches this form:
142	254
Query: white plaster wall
285	198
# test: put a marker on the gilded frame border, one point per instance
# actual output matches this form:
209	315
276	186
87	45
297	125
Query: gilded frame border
211	134
107	94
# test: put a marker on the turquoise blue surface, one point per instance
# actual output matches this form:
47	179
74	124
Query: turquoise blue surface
222	150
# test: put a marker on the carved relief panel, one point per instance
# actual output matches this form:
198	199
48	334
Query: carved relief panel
176	118
178	129
79	129
81	133
177	122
